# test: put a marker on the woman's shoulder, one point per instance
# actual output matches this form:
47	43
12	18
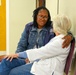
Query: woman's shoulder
29	24
58	40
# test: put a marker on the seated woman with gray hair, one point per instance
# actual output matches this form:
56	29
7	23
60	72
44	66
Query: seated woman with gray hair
49	59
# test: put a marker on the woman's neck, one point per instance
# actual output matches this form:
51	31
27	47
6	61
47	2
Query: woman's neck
56	33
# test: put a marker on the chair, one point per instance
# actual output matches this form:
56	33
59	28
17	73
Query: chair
69	58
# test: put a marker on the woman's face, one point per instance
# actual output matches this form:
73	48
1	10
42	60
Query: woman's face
42	18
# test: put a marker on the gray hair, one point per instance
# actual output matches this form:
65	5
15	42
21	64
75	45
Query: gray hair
61	24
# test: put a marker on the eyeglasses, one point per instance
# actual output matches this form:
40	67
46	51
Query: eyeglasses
42	17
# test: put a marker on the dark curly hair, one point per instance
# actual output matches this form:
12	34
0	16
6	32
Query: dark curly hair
35	13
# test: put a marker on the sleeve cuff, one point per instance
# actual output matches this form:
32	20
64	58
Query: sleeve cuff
22	55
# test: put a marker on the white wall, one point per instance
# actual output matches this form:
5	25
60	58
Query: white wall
67	7
52	6
20	13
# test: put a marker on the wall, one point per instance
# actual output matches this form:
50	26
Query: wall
52	6
20	13
67	7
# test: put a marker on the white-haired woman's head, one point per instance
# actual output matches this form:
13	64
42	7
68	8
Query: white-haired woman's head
61	24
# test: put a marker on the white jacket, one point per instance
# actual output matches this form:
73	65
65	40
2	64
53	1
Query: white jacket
52	57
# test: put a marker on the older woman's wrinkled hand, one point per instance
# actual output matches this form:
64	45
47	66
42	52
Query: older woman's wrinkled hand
11	56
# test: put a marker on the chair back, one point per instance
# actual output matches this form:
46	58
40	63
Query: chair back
69	58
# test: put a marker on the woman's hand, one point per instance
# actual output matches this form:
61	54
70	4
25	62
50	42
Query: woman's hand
10	57
67	41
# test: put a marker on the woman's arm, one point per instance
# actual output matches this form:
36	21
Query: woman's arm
23	43
50	50
67	40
